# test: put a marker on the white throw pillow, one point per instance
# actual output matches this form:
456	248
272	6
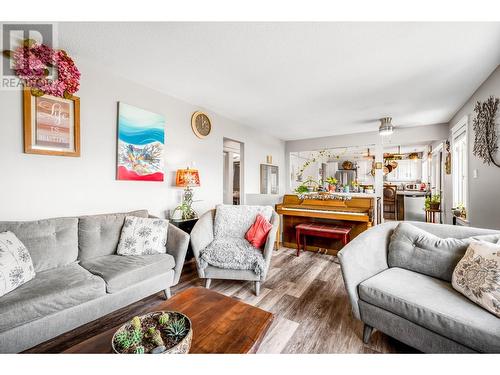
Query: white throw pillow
143	236
477	275
16	266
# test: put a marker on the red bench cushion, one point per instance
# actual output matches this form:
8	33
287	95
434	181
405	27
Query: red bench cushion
324	228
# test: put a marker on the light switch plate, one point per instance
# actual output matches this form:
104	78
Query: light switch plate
475	173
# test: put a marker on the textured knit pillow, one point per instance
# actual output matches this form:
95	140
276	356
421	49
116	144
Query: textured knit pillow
257	234
16	266
477	275
143	236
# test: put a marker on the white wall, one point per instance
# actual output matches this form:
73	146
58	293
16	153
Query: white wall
39	186
484	191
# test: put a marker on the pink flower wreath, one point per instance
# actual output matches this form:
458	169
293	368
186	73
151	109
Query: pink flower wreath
31	62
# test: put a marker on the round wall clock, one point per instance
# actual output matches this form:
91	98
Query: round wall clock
201	124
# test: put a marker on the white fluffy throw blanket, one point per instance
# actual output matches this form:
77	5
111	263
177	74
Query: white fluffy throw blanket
230	249
234	254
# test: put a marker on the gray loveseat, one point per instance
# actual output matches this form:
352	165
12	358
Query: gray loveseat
419	310
78	276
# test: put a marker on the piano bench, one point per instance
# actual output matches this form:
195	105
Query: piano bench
321	230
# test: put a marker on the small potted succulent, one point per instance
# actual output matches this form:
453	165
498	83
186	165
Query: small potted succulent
160	332
332	183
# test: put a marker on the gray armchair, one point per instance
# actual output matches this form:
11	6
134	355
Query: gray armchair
203	234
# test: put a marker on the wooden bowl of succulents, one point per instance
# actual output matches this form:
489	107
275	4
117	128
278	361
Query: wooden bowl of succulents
159	332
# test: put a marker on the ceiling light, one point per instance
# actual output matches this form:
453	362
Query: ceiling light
386	128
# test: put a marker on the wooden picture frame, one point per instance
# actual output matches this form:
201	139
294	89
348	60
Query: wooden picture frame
51	124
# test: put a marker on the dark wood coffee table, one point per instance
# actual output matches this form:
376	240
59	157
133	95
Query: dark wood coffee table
220	324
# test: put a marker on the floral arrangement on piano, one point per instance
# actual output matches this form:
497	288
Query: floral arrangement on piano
324	196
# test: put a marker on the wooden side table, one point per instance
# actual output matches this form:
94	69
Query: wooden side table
430	214
187	226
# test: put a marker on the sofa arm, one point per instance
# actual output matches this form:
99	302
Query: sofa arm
364	257
177	245
269	246
202	235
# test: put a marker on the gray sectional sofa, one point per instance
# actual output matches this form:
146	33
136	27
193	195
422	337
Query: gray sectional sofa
79	278
422	311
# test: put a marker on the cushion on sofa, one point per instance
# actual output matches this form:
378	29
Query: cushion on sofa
119	272
143	236
435	305
415	249
234	221
477	275
49	292
50	242
16	267
99	234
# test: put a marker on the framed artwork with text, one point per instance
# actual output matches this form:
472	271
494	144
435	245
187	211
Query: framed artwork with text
51	125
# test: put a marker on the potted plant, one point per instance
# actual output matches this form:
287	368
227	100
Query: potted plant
160	332
311	184
332	183
301	189
433	202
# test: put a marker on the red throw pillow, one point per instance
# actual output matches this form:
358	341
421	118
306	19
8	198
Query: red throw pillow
257	234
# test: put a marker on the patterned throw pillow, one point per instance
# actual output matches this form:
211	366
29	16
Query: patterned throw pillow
143	236
16	267
477	275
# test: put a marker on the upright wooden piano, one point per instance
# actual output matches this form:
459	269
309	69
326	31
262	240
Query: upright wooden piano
357	212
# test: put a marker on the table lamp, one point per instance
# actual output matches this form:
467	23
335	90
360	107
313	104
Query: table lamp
187	178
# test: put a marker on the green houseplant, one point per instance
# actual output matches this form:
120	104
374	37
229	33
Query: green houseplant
433	202
332	183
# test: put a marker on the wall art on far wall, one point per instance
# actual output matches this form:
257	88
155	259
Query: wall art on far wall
141	139
51	124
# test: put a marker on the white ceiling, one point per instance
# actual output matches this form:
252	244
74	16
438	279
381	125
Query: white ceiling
301	80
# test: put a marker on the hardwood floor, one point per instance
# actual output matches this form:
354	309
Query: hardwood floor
311	307
306	294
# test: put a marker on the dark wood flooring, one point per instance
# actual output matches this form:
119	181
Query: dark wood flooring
306	294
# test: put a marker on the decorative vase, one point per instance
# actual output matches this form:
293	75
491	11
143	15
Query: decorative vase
182	347
346	189
332	188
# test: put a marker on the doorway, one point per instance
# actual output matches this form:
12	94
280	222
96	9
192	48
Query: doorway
233	171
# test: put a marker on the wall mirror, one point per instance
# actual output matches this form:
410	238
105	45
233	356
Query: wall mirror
269	179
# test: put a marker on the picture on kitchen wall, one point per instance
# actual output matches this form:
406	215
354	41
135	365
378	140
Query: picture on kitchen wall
141	139
51	125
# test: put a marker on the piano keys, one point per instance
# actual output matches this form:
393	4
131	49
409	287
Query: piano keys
357	212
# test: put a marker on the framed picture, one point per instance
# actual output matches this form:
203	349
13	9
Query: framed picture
141	139
51	125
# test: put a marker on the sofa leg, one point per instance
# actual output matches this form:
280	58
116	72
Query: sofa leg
207	283
257	288
367	333
168	293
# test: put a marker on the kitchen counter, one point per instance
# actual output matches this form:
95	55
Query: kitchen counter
413	193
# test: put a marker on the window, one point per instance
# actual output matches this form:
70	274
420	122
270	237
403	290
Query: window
459	163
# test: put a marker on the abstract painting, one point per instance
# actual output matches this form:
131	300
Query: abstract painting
141	139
